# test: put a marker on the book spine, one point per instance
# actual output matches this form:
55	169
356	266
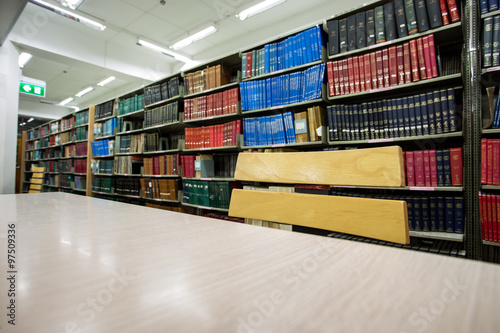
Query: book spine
400	65
418	115
421	59
421	13
432	50
350	75
385	66
434	11
355	70
407	63
393	66
438	119
483	5
495	60
411	20
453	10
351	33
492	5
390	21
374	69
489	163
380	69
450	214
419	168
447	167
370	27
424	113
410	168
379	25
484	161
433	214
331	79
487	41
441	209
425	214
495	178
444	12
399	10
360	30
415	70
362	75
456	162
427	57
333	37
427	168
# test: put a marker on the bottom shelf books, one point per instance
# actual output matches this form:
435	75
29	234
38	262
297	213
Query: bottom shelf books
208	166
489	208
162	165
80	183
208	194
163	189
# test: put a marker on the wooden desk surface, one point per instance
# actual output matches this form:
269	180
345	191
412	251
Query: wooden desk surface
90	265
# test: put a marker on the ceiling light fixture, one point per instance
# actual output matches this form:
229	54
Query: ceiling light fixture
195	37
24	58
258	8
84	91
30	120
66	101
106	81
73	4
70	14
154	47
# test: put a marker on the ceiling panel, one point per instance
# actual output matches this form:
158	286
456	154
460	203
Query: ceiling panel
144	5
176	13
115	12
154	28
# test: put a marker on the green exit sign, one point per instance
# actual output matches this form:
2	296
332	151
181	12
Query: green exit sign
32	89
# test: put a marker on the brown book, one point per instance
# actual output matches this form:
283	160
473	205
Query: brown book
311	117
421	59
432	53
385	66
303	137
373	67
414	61
368	71
393	66
380	69
407	62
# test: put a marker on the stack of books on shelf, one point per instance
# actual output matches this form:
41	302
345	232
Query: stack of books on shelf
81	149
434	168
65	165
66	181
224	165
162	91
128	186
296	50
433	112
491	41
65	137
489	208
388	22
82	118
163	189
487	6
283	90
104	110
80	165
212	105
129	143
102	167
209	78
131	104
54	127
67	123
208	194
68	150
155	142
395	65
214	136
187	162
104	129
164	114
490	161
130	165
162	165
80	183
81	133
102	184
103	147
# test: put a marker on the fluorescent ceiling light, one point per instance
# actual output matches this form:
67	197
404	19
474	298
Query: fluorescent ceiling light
84	91
258	8
106	81
66	101
73	4
163	50
22	124
194	37
70	14
24	58
30	120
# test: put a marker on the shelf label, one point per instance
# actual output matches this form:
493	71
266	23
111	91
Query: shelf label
203	207
389	42
278	145
380	89
421	188
206	179
277	107
492	69
300	126
381	140
205	148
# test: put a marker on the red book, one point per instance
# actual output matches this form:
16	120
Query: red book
427	57
225	101
444	12
385	66
427	168
249	64
421	59
393	66
489	218
494	218
452	8
350	74
380	69
418	156
373	67
489	163
410	168
433	164
336	75
407	62
368	71
432	51
482	215
484	161
496	161
401	64
414	61
341	77
456	163
347	78
496	236
357	77
361	66
331	89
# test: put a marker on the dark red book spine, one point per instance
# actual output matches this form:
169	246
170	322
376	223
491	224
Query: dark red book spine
361	66
456	163
368	72
433	166
452	8
373	67
494	218
490	217
380	69
497	221
419	168
444	12
432	51
401	64
421	59
427	57
385	65
341	77
393	66
350	66
249	64
414	61
427	168
496	161
407	62
482	215
336	77
489	163
410	168
355	71
484	161
347	79
331	88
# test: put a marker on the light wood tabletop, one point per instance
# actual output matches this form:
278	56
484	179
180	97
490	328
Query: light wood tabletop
89	265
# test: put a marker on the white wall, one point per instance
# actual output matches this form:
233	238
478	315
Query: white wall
9	96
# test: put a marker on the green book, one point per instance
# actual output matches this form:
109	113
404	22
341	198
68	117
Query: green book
379	25
411	19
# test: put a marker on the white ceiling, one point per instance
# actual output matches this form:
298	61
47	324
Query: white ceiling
71	56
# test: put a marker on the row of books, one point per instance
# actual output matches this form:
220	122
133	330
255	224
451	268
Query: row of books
212	105
104	110
68	151
222	135
65	165
67	123
155	142
224	165
433	112
162	91
395	65
162	165
44	131
66	181
103	147
163	189
425	213
80	149
487	6
66	137
209	78
188	169
269	130
222	217
164	114
434	167
127	186
296	50
104	129
490	161
50	166
129	143
102	184
208	193
283	90
81	133
102	167
489	210
131	104
80	183
130	124
82	118
491	41
80	165
128	165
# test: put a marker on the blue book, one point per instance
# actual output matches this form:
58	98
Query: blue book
406	116
493	5
411	112
447	167
268	93
261	131
433	214
496	115
418	115
437	112
243	65
441	210
301	51
243	95
425	214
245	131
267	64
459	214
484	6
281	128
307	48
409	207
452	112
430	113
417	213
315	49
269	130
423	112
286	89
291	60
449	214
439	167
444	110
393	111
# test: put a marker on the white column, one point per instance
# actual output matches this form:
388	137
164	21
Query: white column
9	100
